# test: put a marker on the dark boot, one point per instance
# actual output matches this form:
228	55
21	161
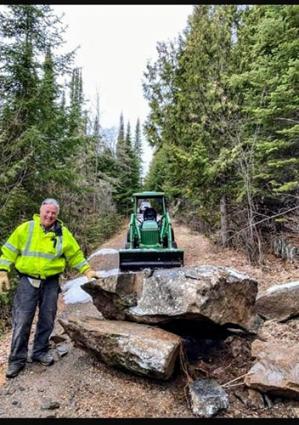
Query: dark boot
45	359
14	369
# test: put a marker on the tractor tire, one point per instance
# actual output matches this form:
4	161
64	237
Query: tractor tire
165	241
135	243
174	244
172	234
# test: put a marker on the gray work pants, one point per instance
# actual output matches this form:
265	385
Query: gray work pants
26	300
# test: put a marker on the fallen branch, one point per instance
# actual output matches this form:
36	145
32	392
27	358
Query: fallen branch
234	385
235	379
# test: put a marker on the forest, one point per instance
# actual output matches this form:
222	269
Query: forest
223	124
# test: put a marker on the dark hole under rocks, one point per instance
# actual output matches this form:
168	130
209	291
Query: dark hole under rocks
203	340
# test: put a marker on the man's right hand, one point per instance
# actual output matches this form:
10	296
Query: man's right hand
4	282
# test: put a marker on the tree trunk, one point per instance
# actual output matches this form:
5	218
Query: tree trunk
223	219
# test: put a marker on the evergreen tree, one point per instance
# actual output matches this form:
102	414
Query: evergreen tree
134	162
76	120
138	150
128	172
27	31
120	138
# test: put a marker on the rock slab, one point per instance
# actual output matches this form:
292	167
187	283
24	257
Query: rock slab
141	349
276	370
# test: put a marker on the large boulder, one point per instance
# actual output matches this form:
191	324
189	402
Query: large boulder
218	294
141	349
279	302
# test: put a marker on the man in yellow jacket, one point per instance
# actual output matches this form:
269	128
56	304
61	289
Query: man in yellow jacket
39	249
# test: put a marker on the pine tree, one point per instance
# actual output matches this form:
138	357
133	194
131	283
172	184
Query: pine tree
138	150
27	31
134	162
120	138
76	121
128	170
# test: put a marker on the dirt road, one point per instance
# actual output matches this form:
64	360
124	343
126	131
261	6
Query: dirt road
78	385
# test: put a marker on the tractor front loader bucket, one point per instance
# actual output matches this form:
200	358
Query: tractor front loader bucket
136	259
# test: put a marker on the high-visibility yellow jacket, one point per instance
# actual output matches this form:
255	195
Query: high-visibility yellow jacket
41	254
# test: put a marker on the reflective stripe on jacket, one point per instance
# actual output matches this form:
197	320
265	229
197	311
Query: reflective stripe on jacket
41	254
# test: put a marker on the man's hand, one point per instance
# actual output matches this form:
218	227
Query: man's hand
91	274
4	282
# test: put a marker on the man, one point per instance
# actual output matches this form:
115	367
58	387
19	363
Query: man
39	249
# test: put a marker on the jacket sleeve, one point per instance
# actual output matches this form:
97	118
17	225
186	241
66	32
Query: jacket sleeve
12	248
73	254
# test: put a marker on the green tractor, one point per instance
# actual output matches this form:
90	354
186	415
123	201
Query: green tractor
150	239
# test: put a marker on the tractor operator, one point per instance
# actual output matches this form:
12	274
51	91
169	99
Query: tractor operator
39	249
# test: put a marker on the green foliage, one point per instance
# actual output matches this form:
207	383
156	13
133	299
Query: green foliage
137	147
224	112
128	169
6	299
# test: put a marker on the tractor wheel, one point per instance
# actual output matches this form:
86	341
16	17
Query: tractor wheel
165	240
135	243
174	244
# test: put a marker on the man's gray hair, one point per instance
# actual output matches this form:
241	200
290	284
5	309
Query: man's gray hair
51	201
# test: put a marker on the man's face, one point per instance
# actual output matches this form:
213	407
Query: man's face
48	214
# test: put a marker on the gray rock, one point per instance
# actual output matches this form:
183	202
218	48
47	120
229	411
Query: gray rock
279	302
207	397
50	405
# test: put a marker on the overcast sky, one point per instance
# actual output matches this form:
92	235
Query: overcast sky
116	41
